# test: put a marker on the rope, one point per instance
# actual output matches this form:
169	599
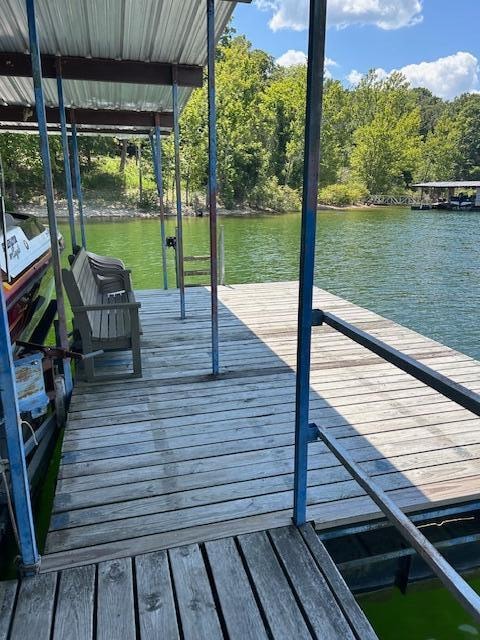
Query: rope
32	430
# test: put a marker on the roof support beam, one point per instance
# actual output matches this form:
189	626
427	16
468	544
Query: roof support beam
313	121
156	143
66	161
212	181
31	128
91	117
103	70
178	191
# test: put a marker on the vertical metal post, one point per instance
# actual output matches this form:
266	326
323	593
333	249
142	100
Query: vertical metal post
15	450
78	179
212	181
66	156
157	163
316	56
140	174
47	173
176	258
178	189
222	255
3	214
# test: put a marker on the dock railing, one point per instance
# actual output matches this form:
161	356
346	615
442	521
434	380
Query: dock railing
391	200
466	398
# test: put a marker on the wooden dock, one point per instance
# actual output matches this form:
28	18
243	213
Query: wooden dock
273	584
178	458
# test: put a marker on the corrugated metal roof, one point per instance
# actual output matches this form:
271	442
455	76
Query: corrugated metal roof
172	31
93	95
455	184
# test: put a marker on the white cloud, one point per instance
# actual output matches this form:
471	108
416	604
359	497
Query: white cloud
354	76
446	77
291	58
385	14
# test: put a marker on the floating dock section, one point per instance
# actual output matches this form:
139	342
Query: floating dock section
179	457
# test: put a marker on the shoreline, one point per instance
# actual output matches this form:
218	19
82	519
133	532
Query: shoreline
117	211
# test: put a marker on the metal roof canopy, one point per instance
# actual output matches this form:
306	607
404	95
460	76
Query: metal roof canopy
455	184
116	55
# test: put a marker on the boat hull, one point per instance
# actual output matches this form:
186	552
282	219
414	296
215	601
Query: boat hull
26	262
28	299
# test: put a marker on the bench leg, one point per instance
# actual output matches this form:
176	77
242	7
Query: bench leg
136	356
89	369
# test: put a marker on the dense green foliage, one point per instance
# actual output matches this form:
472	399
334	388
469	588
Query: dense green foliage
377	137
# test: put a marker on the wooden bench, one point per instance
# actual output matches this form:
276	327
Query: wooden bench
105	320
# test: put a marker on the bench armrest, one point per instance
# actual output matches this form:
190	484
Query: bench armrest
104	307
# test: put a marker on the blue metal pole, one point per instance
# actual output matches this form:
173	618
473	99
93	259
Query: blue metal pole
178	188
157	163
212	181
316	57
66	158
78	180
15	450
49	193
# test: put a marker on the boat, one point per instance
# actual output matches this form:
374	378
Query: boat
27	276
27	279
26	266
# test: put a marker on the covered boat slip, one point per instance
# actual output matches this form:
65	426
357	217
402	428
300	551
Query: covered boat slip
180	457
195	467
226	588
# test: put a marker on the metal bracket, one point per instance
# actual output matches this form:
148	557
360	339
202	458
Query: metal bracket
313	432
317	318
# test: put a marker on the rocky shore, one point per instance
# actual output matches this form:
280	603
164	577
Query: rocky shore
119	211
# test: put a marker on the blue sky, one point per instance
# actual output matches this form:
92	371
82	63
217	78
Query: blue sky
380	34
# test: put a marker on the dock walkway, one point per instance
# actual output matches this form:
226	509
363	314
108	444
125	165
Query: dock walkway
178	458
273	584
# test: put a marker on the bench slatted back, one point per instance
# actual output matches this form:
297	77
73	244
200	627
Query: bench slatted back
81	285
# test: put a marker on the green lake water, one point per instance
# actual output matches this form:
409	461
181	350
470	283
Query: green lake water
419	268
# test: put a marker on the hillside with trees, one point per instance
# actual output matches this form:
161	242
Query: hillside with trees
378	137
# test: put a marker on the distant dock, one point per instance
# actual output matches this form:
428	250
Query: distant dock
450	195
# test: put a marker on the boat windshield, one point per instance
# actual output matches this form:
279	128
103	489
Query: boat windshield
30	226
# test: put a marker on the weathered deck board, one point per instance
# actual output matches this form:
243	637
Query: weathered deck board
75	604
181	458
270	584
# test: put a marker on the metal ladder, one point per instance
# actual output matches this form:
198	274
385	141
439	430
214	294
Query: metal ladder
205	270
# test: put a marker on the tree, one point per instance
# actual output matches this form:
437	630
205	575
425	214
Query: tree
466	112
282	112
242	74
441	154
431	109
386	151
